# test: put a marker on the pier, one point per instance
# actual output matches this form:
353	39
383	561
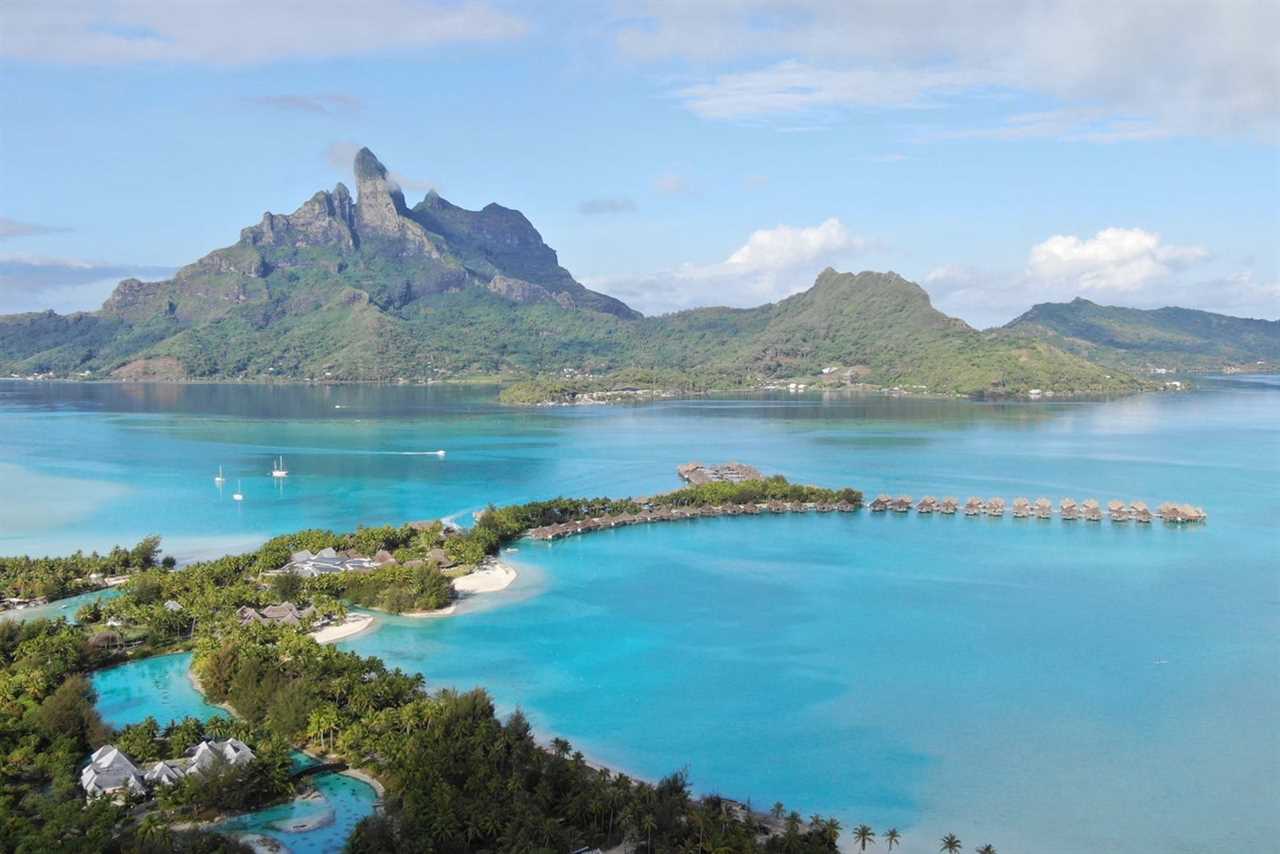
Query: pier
1089	510
696	474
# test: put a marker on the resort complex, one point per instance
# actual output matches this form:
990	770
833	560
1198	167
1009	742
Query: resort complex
112	774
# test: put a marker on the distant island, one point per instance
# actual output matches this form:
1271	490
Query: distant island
368	289
1156	341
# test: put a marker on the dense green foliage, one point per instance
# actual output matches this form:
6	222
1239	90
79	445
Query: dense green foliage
58	577
334	312
48	724
459	779
1172	338
228	789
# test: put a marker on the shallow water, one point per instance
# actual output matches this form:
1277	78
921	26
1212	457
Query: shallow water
157	687
343	802
59	608
1044	686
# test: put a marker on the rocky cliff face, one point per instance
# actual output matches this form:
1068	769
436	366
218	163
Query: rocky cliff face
381	211
326	219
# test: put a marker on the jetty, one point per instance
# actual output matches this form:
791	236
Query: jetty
653	510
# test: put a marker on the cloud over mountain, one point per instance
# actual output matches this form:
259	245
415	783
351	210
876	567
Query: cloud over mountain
773	263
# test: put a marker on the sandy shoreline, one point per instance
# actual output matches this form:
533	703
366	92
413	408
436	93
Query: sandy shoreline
492	577
353	625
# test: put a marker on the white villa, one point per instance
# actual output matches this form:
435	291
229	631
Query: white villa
326	562
113	774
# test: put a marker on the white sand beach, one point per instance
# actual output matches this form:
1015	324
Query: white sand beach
490	579
353	625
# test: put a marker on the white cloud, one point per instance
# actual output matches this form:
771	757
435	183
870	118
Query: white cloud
1115	259
1117	266
791	87
1179	66
33	283
239	32
772	264
324	104
10	228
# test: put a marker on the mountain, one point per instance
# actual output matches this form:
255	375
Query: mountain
367	288
1180	339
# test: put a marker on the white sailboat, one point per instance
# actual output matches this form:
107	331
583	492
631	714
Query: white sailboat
438	453
278	470
218	478
237	495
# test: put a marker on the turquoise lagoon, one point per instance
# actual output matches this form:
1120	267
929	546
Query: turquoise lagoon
1044	686
159	687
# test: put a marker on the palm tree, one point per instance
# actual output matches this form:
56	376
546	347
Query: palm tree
987	849
893	837
778	810
649	825
950	844
864	835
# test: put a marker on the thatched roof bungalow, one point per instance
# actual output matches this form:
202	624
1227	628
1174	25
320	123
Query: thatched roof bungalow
927	504
995	507
1021	508
901	504
973	506
949	505
881	503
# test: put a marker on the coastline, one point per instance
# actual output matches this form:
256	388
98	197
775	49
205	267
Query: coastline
353	625
493	576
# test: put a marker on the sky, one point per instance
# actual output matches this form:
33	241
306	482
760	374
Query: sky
675	153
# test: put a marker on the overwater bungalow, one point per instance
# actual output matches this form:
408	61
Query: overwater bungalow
928	504
1069	510
1021	508
974	506
949	505
1091	510
1141	513
995	507
1043	508
1171	512
1118	511
901	504
881	503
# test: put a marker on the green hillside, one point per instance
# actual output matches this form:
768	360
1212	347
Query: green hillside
367	289
1179	339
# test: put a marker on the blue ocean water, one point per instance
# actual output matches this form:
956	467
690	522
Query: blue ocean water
1041	685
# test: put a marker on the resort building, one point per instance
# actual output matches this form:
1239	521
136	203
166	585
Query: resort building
326	562
286	614
110	773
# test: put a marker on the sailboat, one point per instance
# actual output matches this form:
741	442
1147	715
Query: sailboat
438	453
278	470
237	495
219	479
